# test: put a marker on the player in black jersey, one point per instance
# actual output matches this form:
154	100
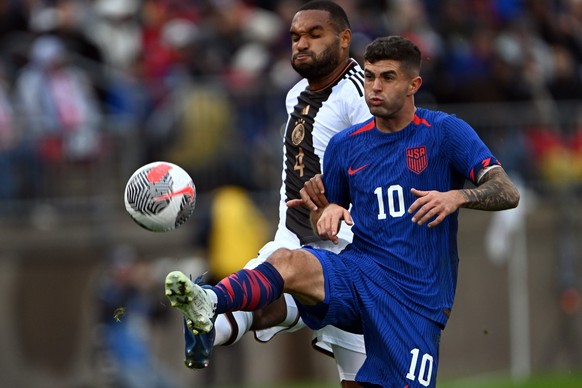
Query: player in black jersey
328	99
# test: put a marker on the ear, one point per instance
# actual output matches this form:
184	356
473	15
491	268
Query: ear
345	39
414	85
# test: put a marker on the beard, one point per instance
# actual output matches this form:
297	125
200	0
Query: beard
321	66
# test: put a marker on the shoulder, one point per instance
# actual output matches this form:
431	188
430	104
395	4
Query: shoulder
440	121
348	96
352	81
433	117
355	131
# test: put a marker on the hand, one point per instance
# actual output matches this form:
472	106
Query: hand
329	222
312	195
434	205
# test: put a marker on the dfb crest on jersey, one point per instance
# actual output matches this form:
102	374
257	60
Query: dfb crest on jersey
416	159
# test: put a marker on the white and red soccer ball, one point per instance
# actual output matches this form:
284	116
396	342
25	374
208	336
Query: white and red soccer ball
160	196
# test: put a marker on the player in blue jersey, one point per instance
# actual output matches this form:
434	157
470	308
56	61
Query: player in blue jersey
403	173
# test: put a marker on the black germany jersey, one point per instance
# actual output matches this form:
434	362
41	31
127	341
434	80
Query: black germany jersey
314	117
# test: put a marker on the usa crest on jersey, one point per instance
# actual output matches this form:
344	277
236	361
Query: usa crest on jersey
416	159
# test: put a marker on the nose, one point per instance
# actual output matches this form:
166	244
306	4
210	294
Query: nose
302	43
377	84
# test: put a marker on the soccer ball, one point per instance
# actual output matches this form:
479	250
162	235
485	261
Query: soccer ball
160	196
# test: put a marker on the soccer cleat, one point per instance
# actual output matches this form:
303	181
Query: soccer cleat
198	348
192	301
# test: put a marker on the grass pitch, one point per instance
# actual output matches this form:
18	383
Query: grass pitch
564	380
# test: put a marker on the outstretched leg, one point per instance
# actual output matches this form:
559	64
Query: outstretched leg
244	290
298	272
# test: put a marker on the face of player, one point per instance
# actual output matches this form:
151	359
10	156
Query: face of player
388	88
315	45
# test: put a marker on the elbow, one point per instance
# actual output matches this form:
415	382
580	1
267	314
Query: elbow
514	198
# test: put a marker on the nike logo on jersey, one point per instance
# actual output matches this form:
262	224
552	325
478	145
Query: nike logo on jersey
352	171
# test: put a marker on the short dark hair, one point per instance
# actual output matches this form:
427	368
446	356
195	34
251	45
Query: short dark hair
337	14
395	48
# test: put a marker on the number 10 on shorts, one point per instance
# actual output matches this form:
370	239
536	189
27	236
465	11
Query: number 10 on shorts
424	370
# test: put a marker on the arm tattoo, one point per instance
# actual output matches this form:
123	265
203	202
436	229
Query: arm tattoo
494	192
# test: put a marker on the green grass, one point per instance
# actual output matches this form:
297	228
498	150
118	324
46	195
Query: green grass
565	380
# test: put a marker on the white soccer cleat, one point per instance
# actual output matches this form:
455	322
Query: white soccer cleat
192	301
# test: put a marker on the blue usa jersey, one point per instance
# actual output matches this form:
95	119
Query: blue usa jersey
374	171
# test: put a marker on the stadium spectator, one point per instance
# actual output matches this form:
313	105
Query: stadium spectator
396	282
116	30
8	141
20	165
67	19
61	115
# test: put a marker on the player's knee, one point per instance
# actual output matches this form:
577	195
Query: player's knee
284	260
302	274
280	258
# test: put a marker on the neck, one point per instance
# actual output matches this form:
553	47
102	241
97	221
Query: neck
397	121
322	83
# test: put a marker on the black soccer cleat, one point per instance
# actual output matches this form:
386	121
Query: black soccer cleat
198	348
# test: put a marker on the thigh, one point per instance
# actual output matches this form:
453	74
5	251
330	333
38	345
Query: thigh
339	306
402	346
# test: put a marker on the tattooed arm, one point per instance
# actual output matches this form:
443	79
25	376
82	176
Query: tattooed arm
495	191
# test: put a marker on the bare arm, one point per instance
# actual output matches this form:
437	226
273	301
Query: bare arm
494	192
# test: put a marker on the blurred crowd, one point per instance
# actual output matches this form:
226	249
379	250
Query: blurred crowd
201	82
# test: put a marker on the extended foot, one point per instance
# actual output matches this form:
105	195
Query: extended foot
192	301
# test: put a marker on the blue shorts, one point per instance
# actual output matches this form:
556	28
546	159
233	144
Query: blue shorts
402	346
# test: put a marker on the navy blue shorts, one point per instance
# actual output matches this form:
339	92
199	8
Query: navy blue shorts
402	346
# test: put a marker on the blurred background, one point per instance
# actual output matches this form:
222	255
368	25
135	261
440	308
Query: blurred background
90	90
